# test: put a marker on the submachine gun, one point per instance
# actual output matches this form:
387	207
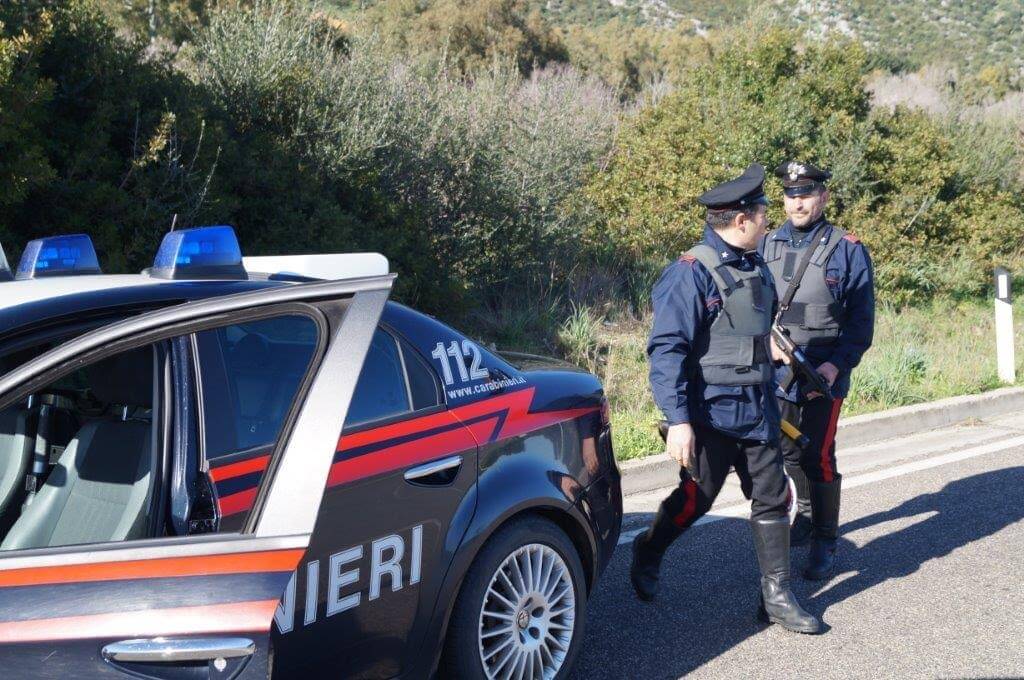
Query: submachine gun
800	368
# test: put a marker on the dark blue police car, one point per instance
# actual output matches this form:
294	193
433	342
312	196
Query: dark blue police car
208	471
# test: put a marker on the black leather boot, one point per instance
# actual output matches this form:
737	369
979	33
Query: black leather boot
825	520
800	533
645	569
648	549
778	604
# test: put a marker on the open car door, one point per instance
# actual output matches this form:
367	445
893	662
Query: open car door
186	604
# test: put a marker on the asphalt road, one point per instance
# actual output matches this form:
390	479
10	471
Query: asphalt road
930	581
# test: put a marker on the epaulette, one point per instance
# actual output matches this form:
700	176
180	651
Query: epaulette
851	238
686	258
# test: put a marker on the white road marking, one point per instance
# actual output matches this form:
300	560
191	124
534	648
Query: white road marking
742	509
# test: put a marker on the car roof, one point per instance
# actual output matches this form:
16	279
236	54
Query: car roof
36	302
13	293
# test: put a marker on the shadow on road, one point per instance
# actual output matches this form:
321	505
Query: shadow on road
709	585
964	511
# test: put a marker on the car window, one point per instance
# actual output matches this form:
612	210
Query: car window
250	374
382	390
395	380
426	392
78	458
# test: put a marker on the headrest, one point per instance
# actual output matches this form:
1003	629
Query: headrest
252	351
125	380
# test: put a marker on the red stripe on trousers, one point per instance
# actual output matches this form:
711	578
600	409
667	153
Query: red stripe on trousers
827	473
683	517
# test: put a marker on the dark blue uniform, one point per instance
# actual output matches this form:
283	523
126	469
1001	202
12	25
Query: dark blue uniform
835	324
711	367
686	302
850	278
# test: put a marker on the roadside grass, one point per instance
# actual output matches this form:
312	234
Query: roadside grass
942	349
920	354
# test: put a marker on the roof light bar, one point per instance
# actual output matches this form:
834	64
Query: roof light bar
5	269
199	253
69	255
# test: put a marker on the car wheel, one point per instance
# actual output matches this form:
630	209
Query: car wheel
521	609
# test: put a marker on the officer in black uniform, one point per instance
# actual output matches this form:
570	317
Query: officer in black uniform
711	374
825	281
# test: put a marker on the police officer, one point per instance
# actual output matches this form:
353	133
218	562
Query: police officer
711	374
824	279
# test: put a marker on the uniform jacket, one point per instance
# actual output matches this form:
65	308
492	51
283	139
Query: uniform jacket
686	302
850	279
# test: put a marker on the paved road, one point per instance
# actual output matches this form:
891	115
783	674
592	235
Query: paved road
930	585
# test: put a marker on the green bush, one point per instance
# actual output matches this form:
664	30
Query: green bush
94	137
934	199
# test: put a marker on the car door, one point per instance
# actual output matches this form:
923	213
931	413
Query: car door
191	606
399	499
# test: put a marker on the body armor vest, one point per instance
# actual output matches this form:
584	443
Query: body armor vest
814	317
735	351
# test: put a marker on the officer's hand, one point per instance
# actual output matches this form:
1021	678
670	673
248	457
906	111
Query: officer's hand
778	354
681	445
829	372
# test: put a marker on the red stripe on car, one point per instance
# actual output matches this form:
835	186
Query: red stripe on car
232	470
200	565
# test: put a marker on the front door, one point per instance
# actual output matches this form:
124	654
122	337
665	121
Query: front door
94	580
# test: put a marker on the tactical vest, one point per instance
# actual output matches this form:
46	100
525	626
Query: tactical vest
735	352
814	317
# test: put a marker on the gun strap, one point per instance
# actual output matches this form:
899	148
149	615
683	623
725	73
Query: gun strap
794	283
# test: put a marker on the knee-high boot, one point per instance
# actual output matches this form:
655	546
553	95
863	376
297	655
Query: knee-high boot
778	604
825	522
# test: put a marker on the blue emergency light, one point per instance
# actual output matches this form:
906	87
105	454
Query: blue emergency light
70	255
5	269
199	253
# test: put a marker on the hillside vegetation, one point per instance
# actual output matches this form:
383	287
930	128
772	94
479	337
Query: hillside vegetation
527	168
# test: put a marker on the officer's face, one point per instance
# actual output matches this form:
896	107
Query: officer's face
754	227
802	210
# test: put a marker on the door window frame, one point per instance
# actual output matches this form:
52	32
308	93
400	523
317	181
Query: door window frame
327	298
287	309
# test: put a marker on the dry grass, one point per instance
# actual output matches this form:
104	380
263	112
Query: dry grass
921	354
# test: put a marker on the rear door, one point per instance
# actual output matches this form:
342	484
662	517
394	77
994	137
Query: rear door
186	606
398	499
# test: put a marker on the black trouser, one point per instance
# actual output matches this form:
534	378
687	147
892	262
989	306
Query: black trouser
817	419
716	454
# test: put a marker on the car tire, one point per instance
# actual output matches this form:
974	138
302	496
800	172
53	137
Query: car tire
481	645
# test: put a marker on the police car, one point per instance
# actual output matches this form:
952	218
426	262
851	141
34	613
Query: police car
234	467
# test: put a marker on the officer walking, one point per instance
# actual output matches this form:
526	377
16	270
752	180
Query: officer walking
825	281
711	374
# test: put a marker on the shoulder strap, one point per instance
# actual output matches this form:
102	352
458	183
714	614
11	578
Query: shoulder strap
772	250
723	278
794	283
825	250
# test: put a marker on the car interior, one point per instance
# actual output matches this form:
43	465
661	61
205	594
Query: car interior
77	459
80	460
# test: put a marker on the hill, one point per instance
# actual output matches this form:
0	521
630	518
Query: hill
907	34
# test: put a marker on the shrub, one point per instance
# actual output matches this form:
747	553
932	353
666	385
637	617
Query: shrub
933	198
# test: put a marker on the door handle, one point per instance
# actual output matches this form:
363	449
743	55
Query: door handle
420	473
172	650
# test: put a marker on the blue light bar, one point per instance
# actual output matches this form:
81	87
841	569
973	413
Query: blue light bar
5	269
71	255
200	253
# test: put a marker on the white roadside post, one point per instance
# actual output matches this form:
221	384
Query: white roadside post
1004	325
